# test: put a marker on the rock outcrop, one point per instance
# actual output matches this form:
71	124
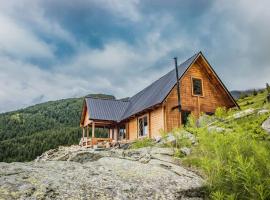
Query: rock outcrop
79	173
266	125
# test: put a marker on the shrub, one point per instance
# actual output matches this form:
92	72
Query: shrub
140	143
268	88
236	163
221	112
255	92
192	121
243	95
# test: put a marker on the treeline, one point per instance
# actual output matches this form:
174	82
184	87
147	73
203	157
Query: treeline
27	133
27	148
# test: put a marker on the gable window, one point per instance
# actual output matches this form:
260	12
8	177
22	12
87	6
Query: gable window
197	87
143	126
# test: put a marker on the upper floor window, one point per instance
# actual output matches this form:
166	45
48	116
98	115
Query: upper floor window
197	87
143	126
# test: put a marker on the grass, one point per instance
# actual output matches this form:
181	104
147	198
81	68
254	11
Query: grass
236	161
144	142
254	101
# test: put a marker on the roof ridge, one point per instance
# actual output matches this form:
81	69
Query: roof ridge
107	99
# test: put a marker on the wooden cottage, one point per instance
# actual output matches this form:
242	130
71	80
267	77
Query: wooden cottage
157	107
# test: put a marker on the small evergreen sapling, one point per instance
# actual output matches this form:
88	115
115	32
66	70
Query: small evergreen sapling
268	92
255	92
267	88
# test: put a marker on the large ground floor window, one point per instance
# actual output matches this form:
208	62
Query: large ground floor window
143	126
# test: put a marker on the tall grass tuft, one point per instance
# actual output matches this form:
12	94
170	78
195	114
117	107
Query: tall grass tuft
144	142
236	162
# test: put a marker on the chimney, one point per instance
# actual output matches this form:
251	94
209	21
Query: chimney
177	83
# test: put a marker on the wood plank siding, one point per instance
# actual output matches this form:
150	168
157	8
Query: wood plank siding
133	129
155	124
213	95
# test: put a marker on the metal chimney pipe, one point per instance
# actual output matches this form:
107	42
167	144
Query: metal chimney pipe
177	83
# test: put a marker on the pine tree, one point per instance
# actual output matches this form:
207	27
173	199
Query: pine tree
267	88
255	92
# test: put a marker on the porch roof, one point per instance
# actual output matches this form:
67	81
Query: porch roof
105	109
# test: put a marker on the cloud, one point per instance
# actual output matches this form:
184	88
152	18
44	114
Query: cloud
19	42
126	9
59	49
236	39
22	83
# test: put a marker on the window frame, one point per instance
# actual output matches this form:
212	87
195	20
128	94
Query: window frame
147	120
192	87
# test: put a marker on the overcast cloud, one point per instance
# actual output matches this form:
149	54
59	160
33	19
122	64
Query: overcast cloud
59	49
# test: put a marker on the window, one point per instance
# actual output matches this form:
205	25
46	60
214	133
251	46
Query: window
197	86
143	126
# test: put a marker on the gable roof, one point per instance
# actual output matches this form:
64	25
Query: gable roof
154	94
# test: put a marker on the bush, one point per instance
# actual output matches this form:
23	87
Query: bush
268	88
243	95
221	112
140	143
255	92
236	163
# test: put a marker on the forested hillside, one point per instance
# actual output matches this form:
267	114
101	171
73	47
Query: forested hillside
26	133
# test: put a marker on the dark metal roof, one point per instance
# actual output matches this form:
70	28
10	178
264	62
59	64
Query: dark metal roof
154	94
106	109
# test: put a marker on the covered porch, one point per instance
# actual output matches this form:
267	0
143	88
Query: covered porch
98	132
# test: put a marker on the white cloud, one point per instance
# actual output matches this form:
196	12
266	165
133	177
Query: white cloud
31	16
235	37
127	9
24	84
19	42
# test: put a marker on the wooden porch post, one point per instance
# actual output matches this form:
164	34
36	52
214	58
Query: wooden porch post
87	135
111	133
93	129
115	134
83	130
87	131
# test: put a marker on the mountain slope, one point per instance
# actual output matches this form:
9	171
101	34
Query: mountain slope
26	133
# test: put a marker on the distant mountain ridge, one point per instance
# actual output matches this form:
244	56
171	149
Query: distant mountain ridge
237	93
28	132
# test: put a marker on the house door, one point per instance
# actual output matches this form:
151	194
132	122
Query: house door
184	116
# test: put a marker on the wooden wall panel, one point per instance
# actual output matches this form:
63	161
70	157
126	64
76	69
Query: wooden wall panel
132	129
156	122
213	95
172	118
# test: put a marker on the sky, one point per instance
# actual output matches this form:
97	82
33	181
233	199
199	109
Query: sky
52	49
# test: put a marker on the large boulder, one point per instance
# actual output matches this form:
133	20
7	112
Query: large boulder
266	125
263	111
87	174
171	139
243	113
